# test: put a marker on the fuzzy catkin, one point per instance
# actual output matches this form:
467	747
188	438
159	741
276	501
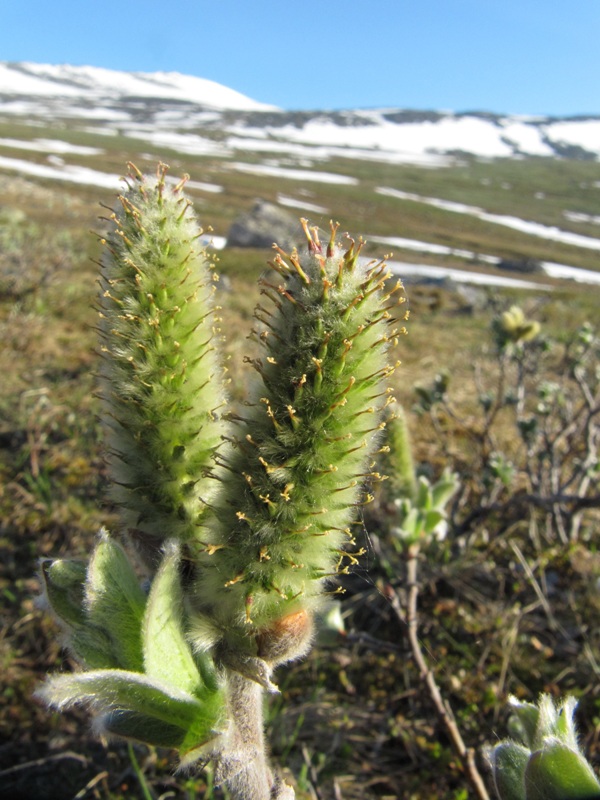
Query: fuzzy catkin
397	461
294	471
161	380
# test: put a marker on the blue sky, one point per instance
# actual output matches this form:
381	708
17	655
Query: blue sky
513	56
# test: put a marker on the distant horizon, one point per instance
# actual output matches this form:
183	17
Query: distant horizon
423	110
534	59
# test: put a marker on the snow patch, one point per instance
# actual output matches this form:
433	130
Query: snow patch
576	216
189	143
202	186
304	205
570	273
526	138
293	174
553	270
257	140
428	247
71	174
583	133
51	146
402	269
524	226
461	134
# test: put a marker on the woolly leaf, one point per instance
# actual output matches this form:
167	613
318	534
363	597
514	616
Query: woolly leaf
559	773
63	583
523	722
137	696
547	720
508	763
142	728
93	648
115	601
176	733
167	654
410	529
423	496
565	723
443	490
432	519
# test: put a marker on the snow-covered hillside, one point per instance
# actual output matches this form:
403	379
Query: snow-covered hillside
82	84
168	113
199	116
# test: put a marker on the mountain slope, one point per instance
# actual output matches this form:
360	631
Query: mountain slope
82	84
155	105
448	191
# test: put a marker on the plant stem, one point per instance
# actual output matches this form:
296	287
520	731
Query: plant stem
139	774
444	712
255	779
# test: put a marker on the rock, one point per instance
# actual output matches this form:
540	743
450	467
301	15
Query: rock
474	298
528	266
265	224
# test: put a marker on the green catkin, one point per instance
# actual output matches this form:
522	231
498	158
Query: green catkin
397	461
161	381
293	475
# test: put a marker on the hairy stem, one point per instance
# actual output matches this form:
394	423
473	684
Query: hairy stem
251	777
